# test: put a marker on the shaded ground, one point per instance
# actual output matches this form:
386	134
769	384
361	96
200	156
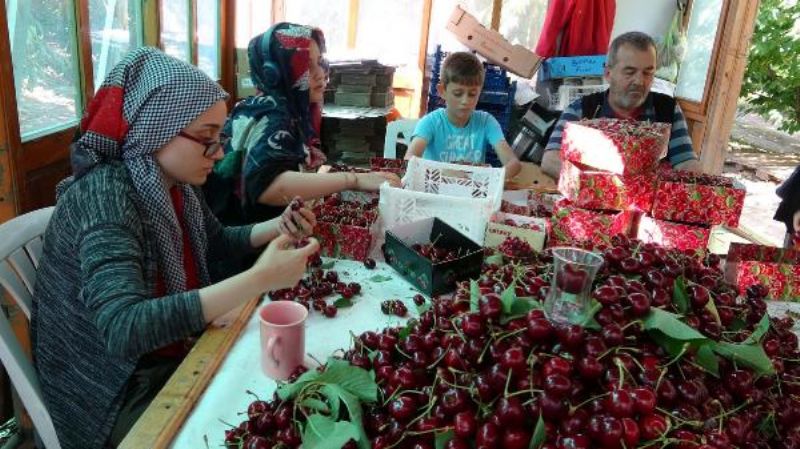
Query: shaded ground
761	158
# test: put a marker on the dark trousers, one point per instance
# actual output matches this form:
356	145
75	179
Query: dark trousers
151	373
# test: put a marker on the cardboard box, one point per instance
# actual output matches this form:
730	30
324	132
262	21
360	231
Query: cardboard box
572	67
680	236
698	198
346	236
571	225
777	269
432	278
530	203
530	229
492	45
595	189
618	146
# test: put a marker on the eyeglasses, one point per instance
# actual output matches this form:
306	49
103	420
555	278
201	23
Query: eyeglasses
211	147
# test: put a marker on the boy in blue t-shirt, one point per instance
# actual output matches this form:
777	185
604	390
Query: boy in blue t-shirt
459	133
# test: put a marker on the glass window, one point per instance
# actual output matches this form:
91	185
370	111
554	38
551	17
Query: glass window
208	23
702	33
330	16
46	72
390	31
521	21
175	29
252	17
115	30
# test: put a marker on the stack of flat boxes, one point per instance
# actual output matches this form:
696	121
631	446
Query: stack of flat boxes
364	83
352	137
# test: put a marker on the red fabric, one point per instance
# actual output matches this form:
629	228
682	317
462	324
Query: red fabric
104	114
634	117
584	25
179	348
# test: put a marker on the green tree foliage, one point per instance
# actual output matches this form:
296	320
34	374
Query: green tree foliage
772	80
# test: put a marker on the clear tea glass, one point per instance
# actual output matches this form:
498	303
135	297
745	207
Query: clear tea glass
574	270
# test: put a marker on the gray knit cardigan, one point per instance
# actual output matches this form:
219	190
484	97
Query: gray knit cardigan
94	314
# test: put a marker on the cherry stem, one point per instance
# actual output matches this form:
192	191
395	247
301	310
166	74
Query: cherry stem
576	407
530	391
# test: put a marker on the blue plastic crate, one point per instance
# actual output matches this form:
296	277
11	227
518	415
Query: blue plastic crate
572	67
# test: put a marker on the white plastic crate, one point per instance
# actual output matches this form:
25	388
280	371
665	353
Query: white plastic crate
465	181
463	196
567	93
400	206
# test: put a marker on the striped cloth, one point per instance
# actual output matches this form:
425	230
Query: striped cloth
680	144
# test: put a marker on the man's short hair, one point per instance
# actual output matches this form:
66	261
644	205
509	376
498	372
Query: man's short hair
462	68
636	39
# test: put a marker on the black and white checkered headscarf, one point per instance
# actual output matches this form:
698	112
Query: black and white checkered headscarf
144	102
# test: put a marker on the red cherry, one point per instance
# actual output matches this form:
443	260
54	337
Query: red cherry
571	279
465	424
606	295
557	365
453	401
488	436
644	400
510	412
571	336
557	385
630	432
640	304
539	329
652	426
402	408
455	443
490	306
516	439
611	432
472	325
590	368
514	359
620	404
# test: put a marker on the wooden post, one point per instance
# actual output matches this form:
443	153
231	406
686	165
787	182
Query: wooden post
9	124
497	8
419	103
278	11
84	49
352	24
151	25
227	60
727	83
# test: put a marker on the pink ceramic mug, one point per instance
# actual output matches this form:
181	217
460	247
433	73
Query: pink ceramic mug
283	338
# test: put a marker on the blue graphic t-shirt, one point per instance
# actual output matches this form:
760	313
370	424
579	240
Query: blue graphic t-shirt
448	143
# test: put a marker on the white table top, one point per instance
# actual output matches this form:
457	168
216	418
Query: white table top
226	396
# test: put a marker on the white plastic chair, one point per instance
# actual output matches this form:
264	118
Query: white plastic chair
20	251
394	130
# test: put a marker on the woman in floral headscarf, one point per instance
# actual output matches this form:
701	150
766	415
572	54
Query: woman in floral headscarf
274	146
124	283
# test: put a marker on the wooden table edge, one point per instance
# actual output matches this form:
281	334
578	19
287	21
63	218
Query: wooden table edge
162	420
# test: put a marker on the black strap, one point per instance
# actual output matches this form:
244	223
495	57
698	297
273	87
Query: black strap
664	105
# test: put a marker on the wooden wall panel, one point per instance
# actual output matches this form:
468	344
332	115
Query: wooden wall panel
724	91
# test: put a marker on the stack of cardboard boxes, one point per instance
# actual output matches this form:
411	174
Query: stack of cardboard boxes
357	101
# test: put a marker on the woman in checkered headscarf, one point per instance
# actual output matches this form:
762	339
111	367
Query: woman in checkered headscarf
274	146
123	284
